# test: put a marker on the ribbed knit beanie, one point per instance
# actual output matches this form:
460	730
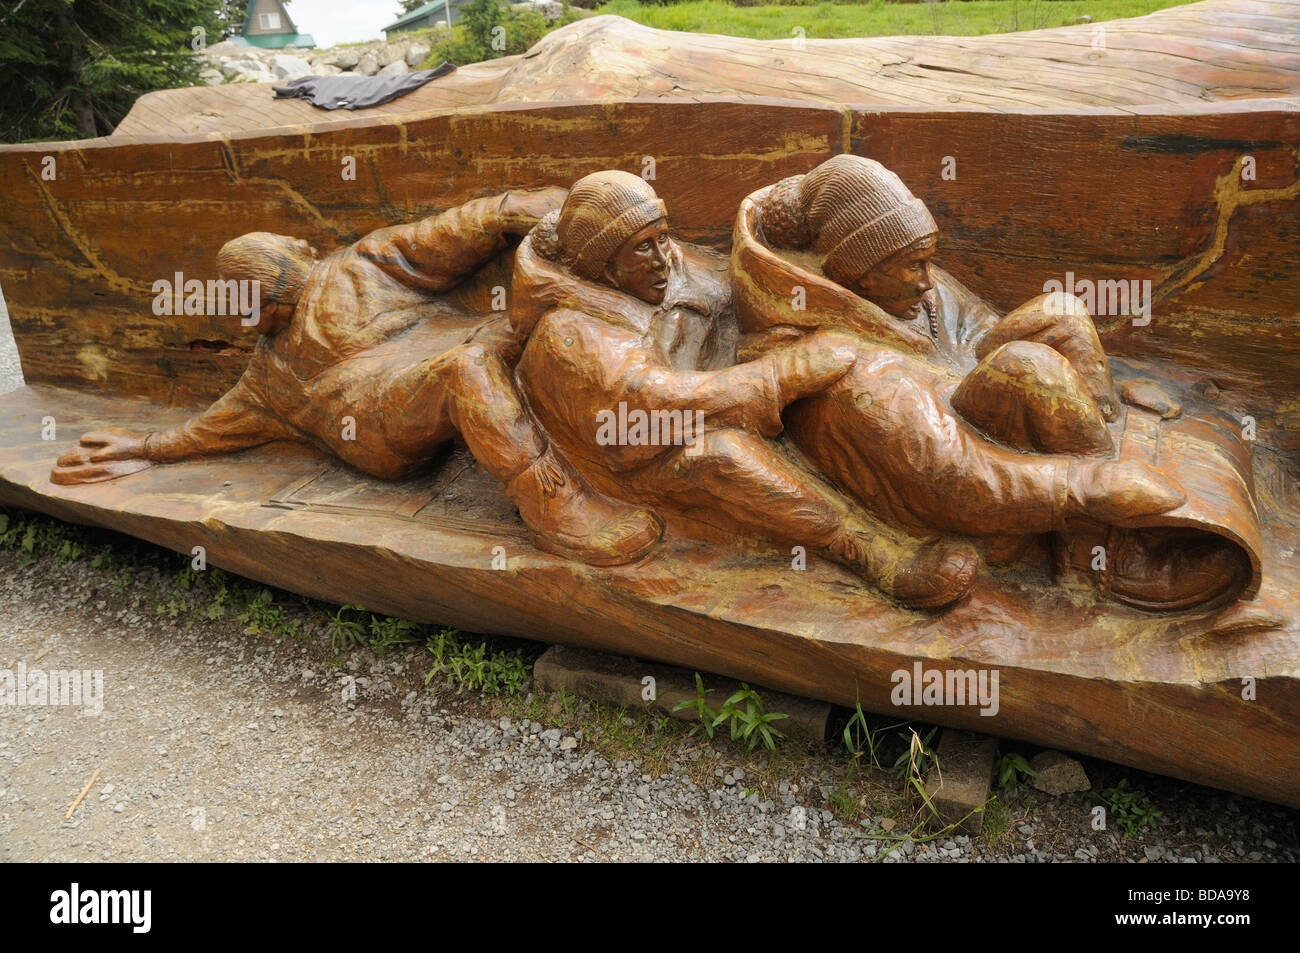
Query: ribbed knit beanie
853	211
602	212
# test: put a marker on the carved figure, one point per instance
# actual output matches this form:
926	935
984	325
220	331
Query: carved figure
936	416
619	319
359	358
954	419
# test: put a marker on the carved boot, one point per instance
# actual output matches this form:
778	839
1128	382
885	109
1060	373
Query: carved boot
568	517
920	574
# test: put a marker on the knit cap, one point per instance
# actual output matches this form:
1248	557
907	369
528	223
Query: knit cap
853	211
602	212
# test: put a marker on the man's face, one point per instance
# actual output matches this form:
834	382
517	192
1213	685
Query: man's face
641	266
898	282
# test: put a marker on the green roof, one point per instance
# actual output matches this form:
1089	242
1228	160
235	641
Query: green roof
420	12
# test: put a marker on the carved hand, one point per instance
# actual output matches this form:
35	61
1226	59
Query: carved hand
112	443
102	455
812	364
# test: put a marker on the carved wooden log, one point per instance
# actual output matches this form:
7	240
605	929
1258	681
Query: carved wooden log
1125	165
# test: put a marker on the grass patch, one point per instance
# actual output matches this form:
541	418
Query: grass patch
824	20
476	667
179	593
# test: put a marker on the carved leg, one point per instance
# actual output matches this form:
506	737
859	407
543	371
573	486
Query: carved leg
1062	323
1029	396
469	391
738	480
885	435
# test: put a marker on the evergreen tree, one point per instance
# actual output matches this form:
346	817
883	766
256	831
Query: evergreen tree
232	14
409	6
72	68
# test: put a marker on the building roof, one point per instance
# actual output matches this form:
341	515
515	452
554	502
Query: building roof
278	41
420	12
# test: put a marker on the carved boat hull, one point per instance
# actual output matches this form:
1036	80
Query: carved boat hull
1161	693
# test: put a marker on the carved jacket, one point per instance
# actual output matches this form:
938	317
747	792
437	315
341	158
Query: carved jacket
780	296
590	348
372	305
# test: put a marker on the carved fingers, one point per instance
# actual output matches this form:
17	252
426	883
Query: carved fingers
112	443
101	455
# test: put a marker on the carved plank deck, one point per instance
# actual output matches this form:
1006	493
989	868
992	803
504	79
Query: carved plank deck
1163	693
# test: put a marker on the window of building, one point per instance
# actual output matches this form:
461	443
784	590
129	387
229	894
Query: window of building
269	21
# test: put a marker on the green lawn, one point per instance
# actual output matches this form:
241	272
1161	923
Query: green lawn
877	18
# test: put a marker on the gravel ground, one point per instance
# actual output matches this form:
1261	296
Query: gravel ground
214	743
218	744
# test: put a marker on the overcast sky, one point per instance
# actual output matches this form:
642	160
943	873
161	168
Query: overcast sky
343	21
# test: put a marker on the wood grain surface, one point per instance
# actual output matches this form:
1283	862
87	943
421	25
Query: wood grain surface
1161	693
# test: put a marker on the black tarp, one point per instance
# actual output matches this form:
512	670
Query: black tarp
357	92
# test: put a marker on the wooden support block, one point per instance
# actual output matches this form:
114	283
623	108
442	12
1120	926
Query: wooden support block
620	680
959	787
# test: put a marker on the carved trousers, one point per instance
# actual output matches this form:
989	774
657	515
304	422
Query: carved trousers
741	483
385	411
923	453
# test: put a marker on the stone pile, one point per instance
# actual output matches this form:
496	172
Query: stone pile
229	62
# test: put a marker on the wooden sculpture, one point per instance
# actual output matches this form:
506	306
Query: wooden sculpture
954	419
352	361
843	481
616	318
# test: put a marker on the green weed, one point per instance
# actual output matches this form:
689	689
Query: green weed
704	712
1010	767
1132	811
747	719
474	667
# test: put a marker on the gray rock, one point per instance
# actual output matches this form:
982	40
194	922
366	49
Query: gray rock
368	65
284	66
1058	773
391	54
211	76
346	58
416	54
233	69
395	68
225	48
550	9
